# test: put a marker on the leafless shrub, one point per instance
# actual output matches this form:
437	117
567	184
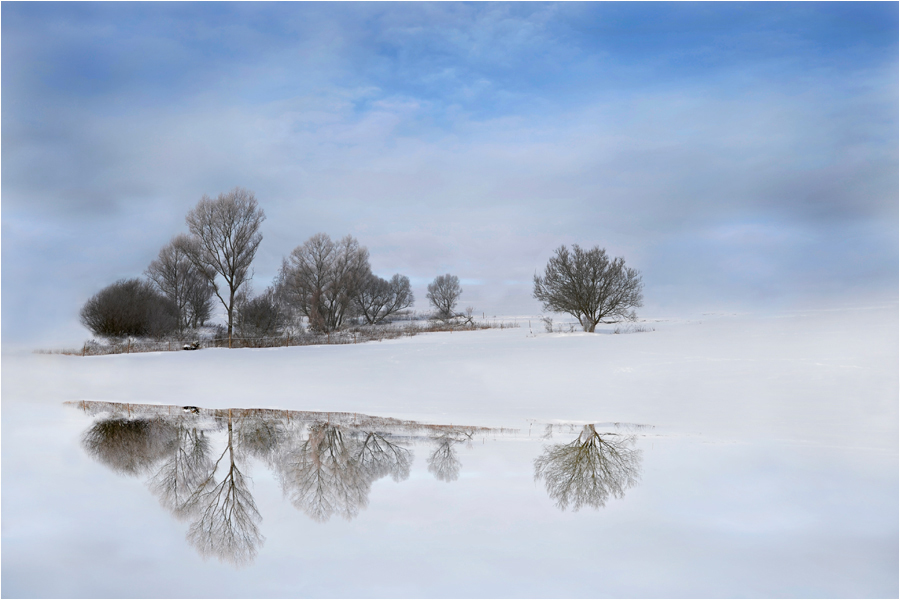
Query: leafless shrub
129	307
633	329
548	324
262	316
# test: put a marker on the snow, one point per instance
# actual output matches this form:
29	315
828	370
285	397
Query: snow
771	468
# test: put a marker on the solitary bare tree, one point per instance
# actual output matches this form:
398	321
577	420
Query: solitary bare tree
321	278
180	281
589	286
224	238
444	293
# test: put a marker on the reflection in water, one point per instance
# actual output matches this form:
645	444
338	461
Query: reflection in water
226	521
325	462
587	471
197	463
185	467
128	446
443	462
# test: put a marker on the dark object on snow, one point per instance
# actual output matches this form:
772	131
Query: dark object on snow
191	409
192	346
129	308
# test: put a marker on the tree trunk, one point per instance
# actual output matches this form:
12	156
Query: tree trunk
230	312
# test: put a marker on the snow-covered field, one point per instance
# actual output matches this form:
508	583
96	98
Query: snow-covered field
771	468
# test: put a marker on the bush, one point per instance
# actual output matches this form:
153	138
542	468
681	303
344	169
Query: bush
263	316
129	307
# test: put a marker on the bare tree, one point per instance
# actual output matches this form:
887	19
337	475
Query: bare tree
444	293
590	469
589	286
320	279
181	282
224	238
377	299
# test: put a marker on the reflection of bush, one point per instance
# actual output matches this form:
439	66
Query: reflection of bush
128	446
587	471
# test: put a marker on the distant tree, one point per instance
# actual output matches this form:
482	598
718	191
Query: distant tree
444	293
589	286
321	278
224	238
129	307
181	282
377	299
262	316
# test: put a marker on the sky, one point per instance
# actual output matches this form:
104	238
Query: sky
740	156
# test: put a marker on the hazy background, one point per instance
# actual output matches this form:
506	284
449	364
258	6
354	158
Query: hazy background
742	156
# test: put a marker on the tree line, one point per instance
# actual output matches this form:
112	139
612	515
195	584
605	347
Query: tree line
327	283
323	282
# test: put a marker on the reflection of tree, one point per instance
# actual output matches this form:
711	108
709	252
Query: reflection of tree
587	471
187	465
332	469
258	434
128	446
326	462
378	456
443	462
226	521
